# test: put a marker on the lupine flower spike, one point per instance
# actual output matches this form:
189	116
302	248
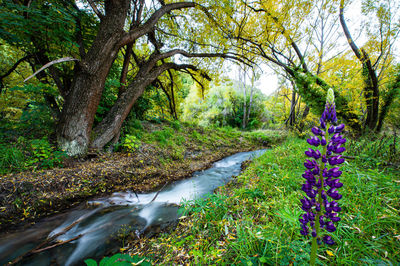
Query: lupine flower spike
322	174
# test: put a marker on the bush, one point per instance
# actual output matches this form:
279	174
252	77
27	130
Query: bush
11	159
120	260
176	125
375	150
29	155
130	143
44	155
162	136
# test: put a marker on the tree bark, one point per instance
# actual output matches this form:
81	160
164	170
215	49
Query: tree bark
244	124
110	126
80	106
292	114
371	90
250	100
388	99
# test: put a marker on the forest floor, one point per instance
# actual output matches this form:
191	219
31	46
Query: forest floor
166	152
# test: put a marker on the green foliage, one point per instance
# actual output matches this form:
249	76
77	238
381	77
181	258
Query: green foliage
43	20
108	98
254	219
11	159
175	124
44	155
376	150
25	111
140	107
223	106
29	154
40	154
162	136
268	137
119	260
195	135
130	143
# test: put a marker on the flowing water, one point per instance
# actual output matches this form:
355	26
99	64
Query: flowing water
103	222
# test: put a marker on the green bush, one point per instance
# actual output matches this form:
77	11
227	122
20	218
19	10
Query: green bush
119	260
29	155
176	125
375	150
130	143
195	135
162	136
11	159
44	155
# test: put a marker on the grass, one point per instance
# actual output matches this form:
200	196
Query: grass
254	219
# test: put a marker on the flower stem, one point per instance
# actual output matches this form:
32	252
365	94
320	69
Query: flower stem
314	244
314	247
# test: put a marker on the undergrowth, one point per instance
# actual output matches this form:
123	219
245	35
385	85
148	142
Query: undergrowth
254	219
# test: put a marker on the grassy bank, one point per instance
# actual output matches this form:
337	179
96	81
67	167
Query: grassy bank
152	155
255	218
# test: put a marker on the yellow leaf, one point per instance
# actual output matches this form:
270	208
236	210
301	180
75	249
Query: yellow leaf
329	253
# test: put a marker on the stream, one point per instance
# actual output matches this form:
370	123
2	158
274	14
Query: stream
103	222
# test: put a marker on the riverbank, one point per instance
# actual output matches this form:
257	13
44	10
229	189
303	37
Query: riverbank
164	153
254	219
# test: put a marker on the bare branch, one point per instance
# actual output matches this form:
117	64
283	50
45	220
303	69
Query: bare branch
232	56
57	244
148	26
64	59
94	7
15	66
352	44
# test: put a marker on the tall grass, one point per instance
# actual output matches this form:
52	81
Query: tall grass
255	218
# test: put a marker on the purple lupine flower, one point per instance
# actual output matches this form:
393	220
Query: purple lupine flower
322	176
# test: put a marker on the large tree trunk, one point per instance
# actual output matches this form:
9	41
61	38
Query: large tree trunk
371	95
389	97
110	126
371	90
81	103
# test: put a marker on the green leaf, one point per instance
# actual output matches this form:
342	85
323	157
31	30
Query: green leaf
91	262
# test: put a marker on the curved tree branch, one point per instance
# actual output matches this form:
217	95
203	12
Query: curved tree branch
12	69
346	31
64	59
95	9
231	56
147	27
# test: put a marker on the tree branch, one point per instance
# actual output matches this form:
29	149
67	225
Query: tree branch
64	59
170	53
96	11
346	31
78	34
147	27
12	69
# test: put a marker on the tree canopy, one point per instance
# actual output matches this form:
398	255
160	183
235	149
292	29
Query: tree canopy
92	63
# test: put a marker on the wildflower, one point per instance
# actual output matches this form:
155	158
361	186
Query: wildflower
322	178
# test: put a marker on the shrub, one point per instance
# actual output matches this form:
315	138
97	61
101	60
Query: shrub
130	143
11	159
120	260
